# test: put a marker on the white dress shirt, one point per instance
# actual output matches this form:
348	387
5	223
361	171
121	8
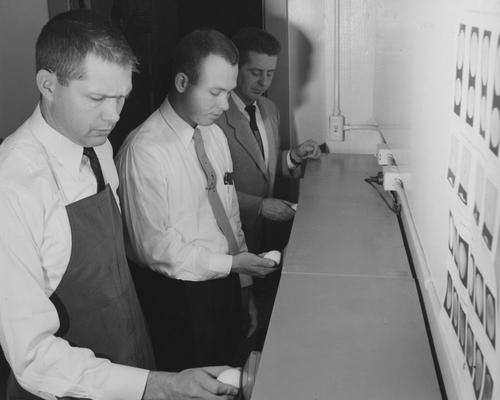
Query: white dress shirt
170	223
41	171
262	129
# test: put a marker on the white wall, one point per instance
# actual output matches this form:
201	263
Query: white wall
397	68
20	24
414	94
307	66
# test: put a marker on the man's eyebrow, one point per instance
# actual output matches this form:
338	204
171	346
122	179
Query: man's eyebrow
261	69
221	88
110	96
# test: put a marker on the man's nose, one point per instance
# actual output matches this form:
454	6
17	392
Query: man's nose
264	80
111	110
224	102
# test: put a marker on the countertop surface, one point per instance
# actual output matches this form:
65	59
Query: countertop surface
347	323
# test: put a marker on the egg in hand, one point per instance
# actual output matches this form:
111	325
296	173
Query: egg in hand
273	255
230	376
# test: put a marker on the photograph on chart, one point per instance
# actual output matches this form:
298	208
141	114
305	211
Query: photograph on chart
488	385
461	328
479	294
495	125
452	235
463	259
447	299
471	85
463	186
490	213
469	352
472	274
478	371
453	165
478	192
495	110
490	316
485	64
455	310
459	69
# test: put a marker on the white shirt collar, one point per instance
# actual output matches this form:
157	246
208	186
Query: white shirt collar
241	105
68	153
181	128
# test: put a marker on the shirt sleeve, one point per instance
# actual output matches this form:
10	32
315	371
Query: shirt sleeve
143	192
42	363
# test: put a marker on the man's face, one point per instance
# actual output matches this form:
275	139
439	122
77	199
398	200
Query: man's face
205	101
86	110
255	76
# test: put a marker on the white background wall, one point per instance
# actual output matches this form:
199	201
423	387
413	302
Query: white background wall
20	24
397	68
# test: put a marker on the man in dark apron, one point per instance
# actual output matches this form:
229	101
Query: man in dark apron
71	325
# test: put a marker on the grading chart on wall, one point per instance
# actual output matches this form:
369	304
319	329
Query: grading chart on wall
470	302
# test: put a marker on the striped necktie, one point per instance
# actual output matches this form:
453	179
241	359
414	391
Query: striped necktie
213	196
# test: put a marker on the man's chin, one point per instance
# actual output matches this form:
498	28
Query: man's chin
209	120
96	140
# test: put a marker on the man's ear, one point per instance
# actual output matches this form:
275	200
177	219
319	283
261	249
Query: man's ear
181	82
46	82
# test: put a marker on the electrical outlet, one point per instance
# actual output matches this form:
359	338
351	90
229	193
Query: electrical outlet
384	155
336	131
393	177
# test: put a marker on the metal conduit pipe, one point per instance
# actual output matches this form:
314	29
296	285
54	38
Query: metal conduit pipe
425	273
336	61
430	296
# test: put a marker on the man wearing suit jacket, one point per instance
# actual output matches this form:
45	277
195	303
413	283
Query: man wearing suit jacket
251	125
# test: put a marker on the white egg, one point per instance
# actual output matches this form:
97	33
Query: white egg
230	376
274	255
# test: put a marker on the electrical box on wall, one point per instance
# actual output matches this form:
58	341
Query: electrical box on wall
384	155
336	128
394	177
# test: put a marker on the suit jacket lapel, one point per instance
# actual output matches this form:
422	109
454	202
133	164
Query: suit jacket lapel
244	135
272	140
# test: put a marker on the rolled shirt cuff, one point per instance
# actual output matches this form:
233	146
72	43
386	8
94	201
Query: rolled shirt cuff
220	264
124	383
290	164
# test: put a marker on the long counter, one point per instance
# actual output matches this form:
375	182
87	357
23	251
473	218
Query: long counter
347	323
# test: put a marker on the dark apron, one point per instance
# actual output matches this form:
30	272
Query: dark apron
96	300
192	324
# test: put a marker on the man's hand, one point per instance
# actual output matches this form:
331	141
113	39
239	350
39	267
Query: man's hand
277	210
251	264
307	149
248	305
190	384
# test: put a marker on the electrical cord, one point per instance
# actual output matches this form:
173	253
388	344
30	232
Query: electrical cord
379	180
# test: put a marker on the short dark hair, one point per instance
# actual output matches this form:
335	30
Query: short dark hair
69	37
196	46
257	40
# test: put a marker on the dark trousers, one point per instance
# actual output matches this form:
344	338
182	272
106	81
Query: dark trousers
192	324
265	236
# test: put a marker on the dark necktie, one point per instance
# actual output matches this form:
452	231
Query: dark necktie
250	109
96	167
213	196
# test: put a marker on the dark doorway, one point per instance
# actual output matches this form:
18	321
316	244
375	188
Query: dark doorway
153	27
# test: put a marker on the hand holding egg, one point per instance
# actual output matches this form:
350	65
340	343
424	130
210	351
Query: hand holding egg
230	376
273	255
